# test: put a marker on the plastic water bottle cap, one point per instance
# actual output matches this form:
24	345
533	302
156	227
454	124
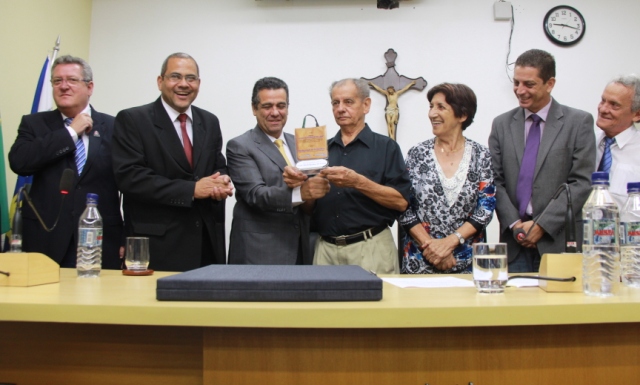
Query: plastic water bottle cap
600	177
633	187
93	198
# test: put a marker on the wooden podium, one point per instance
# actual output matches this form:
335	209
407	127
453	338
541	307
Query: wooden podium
27	269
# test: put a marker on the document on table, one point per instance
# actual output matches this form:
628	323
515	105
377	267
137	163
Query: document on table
438	282
430	282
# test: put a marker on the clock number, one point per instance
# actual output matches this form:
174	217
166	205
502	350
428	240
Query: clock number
575	18
553	31
571	37
550	25
557	14
564	13
565	38
553	19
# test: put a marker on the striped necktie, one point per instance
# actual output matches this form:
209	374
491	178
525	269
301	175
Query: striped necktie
81	153
605	162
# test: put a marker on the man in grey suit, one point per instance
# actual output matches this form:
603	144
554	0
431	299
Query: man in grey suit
535	148
269	226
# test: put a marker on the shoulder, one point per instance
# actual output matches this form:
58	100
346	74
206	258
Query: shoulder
477	147
242	139
204	114
421	147
99	116
138	110
507	116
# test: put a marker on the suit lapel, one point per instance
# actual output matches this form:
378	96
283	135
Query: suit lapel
95	141
168	136
199	134
265	145
551	130
291	142
517	134
55	122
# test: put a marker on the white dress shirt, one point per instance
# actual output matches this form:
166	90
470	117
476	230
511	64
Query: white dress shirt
625	162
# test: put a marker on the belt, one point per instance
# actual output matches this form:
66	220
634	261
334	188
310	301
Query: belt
344	240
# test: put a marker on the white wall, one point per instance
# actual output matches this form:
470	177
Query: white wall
310	43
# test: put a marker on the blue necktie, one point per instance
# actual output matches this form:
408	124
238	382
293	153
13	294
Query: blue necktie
524	187
605	162
81	154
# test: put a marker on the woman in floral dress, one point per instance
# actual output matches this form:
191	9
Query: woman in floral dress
453	194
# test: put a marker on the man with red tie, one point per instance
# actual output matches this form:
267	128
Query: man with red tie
168	164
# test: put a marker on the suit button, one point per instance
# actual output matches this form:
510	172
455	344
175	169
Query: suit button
197	223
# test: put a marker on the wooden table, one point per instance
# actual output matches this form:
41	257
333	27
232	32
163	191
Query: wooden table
111	330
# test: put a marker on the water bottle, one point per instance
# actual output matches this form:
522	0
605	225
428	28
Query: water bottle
89	253
601	247
630	236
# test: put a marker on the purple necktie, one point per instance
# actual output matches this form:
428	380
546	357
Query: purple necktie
528	167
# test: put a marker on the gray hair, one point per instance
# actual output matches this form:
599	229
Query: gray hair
362	86
87	73
631	81
180	55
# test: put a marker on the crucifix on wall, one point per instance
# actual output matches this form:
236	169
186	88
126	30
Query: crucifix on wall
392	85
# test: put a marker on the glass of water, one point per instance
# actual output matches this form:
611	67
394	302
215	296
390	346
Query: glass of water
490	272
137	254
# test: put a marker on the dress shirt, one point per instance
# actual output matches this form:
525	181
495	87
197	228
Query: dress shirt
344	210
74	134
296	195
625	164
173	115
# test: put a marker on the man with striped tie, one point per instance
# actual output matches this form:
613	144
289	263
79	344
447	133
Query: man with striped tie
618	142
77	137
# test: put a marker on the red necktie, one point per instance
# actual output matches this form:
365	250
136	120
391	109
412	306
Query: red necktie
188	150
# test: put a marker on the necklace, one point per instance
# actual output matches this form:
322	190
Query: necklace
443	151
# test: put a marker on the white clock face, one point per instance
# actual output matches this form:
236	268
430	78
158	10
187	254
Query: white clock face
564	25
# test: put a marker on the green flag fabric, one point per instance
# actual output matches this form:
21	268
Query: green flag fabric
4	203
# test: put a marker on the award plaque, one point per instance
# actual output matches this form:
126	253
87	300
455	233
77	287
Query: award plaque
311	146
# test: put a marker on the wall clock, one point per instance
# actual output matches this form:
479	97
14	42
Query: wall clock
564	25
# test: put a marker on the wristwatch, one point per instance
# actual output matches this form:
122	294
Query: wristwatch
460	237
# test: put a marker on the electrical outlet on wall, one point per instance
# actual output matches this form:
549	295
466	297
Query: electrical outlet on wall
502	10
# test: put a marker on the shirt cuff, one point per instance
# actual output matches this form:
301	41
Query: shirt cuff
296	197
73	133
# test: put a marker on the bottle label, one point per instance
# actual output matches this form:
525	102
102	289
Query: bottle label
604	232
631	233
90	237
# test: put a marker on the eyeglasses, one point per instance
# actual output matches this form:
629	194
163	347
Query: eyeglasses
57	82
176	78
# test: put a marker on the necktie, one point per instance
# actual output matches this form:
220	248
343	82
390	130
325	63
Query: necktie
528	167
278	143
188	150
81	153
605	162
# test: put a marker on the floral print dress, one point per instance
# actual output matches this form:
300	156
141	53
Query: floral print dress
442	205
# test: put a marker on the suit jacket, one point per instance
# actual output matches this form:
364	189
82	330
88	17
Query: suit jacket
157	182
266	228
566	155
45	149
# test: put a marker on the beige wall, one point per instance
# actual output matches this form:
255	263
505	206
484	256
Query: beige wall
29	29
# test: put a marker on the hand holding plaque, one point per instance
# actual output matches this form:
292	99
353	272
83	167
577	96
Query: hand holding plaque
312	150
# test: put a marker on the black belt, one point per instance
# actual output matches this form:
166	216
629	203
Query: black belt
344	240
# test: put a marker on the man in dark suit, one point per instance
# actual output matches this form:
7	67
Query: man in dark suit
558	148
269	227
169	166
47	144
